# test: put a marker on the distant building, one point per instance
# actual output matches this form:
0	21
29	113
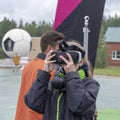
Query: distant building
35	48
112	39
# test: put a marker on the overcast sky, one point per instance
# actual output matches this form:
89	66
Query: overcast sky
38	10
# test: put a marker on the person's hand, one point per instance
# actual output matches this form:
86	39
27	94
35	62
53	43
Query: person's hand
69	64
48	63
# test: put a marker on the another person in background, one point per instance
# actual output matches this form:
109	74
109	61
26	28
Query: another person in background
16	61
49	41
75	99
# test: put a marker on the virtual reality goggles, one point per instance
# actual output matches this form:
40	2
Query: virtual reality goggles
76	53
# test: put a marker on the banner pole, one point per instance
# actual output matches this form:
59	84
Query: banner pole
86	33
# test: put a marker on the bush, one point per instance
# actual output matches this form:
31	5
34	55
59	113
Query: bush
2	54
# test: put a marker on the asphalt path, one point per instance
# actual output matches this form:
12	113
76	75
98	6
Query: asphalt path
109	96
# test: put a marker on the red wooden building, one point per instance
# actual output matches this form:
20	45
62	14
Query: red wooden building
112	39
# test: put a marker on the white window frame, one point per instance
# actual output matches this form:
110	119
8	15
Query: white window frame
115	55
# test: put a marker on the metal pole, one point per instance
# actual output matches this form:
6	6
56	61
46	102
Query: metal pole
86	32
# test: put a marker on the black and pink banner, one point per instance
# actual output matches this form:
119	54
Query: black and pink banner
69	20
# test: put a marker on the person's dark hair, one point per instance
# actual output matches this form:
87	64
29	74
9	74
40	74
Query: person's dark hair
50	38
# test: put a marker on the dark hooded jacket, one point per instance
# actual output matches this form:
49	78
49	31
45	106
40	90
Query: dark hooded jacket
75	102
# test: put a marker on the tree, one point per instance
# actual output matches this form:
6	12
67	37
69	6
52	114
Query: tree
21	24
2	54
101	57
43	27
31	28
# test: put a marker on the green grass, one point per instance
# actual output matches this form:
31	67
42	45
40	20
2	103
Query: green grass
109	114
107	71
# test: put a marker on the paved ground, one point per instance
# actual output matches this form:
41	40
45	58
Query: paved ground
109	96
9	87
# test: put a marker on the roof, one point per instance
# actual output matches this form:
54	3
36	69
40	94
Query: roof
112	34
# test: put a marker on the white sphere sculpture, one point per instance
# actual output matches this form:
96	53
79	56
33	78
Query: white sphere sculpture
16	41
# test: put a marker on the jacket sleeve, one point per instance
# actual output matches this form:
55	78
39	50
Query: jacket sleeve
36	96
81	94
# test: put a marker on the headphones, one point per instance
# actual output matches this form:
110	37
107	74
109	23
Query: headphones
58	81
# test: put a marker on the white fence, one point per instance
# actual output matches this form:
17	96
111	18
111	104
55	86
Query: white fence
8	63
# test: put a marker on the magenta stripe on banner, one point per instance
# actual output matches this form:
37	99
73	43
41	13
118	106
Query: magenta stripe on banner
64	8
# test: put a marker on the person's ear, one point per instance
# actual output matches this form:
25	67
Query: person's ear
81	63
49	48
